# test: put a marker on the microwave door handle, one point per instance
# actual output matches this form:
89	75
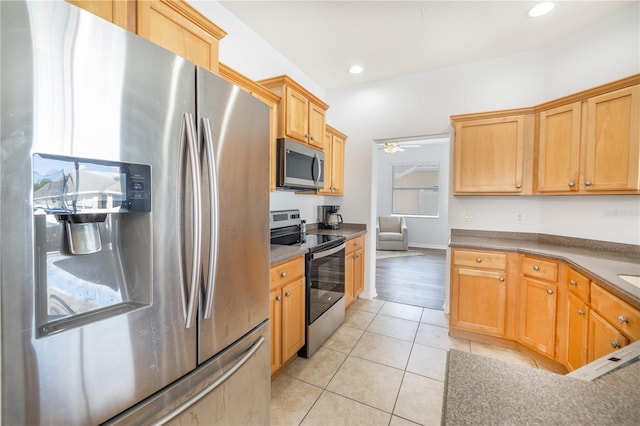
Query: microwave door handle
316	161
215	214
196	217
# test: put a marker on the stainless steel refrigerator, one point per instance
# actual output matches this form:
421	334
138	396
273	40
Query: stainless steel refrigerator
134	249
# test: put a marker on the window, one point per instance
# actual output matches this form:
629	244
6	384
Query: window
416	189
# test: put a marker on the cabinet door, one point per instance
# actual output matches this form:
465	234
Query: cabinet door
316	126
328	164
275	315
489	155
613	141
349	277
178	27
337	165
603	337
296	122
358	279
293	318
577	332
478	300
537	315
559	149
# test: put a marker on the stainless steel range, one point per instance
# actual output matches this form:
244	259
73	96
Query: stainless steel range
324	272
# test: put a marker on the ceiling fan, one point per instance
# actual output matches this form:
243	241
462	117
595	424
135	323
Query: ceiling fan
392	147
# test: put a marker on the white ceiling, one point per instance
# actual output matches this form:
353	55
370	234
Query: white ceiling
393	38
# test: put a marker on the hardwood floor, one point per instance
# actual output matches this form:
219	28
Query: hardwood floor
413	280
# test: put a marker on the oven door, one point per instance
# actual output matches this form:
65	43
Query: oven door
325	280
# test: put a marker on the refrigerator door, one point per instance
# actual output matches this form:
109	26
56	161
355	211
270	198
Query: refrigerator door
74	85
235	213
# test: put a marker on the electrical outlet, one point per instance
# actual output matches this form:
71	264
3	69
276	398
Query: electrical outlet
519	218
468	216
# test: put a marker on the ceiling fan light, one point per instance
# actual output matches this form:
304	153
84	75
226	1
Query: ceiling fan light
356	69
541	9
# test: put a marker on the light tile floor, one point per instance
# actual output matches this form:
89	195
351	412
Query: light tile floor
384	366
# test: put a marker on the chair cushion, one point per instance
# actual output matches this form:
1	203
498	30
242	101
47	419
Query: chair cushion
390	223
390	236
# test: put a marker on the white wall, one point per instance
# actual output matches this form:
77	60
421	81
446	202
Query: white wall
421	104
423	231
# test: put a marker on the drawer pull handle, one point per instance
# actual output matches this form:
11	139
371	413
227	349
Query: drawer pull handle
288	294
479	260
283	274
573	282
615	345
549	291
278	298
536	268
581	312
623	320
501	279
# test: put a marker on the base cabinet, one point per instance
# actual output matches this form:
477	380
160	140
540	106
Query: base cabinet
479	292
603	338
353	269
287	311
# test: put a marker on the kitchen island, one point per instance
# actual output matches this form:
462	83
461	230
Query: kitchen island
481	390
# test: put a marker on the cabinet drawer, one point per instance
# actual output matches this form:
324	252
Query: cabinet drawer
578	284
287	271
480	259
354	244
618	313
538	268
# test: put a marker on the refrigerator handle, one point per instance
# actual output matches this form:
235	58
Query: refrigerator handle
215	213
196	206
204	392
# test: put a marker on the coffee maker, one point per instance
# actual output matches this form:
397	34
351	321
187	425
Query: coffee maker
328	217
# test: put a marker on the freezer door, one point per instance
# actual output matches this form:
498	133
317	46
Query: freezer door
235	212
232	388
84	337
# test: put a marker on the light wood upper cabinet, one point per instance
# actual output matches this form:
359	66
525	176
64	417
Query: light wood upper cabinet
591	146
178	27
489	154
301	115
559	149
612	145
119	12
333	162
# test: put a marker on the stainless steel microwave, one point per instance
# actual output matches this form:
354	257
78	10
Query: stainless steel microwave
299	166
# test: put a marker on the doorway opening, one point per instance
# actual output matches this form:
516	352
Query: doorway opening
413	182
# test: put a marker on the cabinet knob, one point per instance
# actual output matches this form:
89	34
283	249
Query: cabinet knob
573	282
549	291
581	312
283	274
615	345
306	136
479	260
501	279
536	268
312	138
587	183
518	186
623	320
278	298
288	294
572	184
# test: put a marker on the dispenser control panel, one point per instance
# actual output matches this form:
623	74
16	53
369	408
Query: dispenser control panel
73	186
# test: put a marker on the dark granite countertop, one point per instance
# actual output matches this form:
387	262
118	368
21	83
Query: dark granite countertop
280	253
484	391
600	260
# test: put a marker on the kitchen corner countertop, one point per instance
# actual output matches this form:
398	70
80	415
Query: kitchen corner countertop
480	390
600	260
280	253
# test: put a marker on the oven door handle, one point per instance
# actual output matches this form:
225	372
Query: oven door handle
325	253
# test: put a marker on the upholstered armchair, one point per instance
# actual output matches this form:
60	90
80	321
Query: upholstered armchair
391	233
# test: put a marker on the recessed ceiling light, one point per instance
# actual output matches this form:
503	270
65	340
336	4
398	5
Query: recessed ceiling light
541	9
356	69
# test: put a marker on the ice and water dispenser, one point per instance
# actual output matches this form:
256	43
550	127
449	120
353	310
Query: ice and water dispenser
93	243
